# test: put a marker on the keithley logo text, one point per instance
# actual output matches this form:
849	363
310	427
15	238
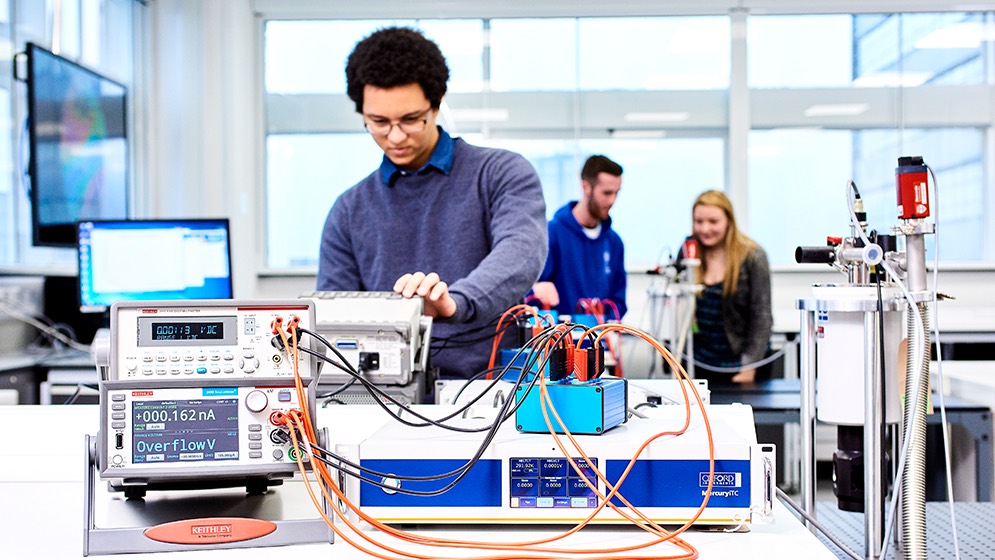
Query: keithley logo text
141	393
210	529
721	480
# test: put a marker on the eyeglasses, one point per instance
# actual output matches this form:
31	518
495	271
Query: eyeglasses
408	125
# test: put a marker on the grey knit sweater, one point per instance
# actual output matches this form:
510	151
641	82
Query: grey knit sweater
481	227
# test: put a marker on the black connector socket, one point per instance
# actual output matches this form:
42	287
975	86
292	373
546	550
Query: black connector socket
369	361
279	437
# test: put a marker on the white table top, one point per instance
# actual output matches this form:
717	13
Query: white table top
41	495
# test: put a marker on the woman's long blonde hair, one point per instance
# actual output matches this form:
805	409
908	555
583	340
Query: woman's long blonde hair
737	245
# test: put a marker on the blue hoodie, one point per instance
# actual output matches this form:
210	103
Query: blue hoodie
584	268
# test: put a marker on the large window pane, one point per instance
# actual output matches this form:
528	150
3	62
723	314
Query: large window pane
305	173
653	53
915	49
653	211
945	47
310	56
867	50
799	51
590	86
462	43
958	197
661	180
797	183
533	54
796	198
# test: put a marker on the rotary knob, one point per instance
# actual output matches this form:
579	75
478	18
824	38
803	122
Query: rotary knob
256	401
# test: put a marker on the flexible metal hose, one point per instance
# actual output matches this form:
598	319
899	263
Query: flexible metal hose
913	515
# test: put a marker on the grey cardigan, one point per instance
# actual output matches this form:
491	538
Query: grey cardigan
747	314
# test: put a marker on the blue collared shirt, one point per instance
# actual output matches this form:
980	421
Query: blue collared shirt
441	159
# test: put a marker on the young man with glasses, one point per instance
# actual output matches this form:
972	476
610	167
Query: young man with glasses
460	225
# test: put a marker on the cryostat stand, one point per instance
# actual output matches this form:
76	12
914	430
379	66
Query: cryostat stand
873	404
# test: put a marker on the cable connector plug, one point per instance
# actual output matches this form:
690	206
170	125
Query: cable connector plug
561	362
293	338
589	363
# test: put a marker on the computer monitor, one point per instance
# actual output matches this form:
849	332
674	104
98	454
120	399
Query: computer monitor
152	260
78	144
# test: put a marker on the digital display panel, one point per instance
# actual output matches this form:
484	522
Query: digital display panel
214	330
538	482
179	331
172	431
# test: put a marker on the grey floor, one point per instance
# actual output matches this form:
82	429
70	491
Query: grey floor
976	540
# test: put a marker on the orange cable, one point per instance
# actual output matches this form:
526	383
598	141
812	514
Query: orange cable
419	539
684	428
322	473
516	311
606	500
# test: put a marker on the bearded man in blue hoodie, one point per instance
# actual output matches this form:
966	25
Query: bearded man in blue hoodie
586	257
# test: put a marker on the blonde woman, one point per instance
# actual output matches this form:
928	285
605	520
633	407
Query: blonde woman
733	314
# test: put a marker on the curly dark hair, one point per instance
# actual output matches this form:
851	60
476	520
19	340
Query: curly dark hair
396	56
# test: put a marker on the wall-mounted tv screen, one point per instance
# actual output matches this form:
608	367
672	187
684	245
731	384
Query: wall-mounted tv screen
78	164
152	259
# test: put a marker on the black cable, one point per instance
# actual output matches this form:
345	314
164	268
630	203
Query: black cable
455	342
72	398
494	382
380	395
330	346
462	471
504	413
883	365
329	395
479	328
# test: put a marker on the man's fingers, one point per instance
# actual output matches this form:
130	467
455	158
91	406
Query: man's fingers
439	290
427	284
408	284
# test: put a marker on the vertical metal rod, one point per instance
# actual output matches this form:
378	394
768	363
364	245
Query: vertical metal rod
873	415
807	411
691	301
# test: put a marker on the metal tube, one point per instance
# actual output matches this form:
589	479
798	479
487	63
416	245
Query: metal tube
807	365
913	511
915	263
873	416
